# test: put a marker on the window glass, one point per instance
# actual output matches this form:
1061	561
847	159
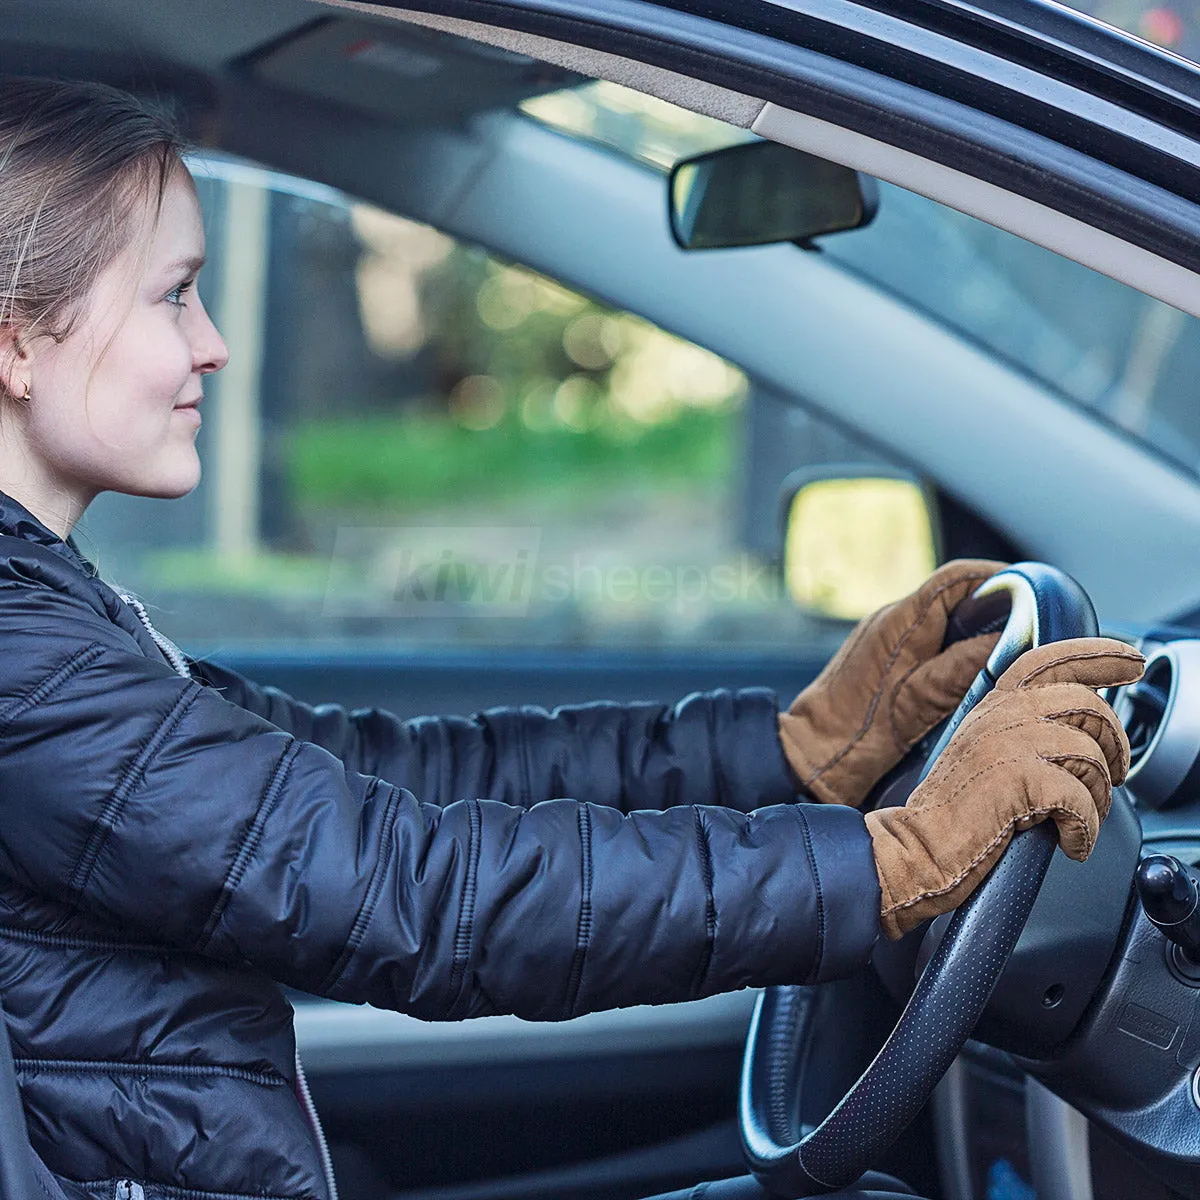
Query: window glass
1128	359
416	441
1174	25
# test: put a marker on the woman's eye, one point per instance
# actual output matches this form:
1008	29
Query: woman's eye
176	295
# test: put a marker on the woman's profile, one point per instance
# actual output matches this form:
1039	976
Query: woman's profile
176	841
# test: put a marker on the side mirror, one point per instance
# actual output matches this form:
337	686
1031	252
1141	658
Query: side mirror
855	538
761	192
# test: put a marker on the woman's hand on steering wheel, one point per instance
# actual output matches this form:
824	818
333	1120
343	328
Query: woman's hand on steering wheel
889	684
1041	745
1044	608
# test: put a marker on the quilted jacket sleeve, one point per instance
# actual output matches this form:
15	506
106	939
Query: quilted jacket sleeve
719	747
152	803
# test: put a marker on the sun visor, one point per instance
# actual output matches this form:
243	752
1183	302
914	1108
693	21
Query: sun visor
407	75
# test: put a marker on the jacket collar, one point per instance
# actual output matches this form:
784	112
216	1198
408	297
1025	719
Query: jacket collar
17	521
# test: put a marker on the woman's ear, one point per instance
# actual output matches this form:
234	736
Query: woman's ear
15	364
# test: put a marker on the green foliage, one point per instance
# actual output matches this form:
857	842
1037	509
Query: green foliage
414	460
488	340
534	391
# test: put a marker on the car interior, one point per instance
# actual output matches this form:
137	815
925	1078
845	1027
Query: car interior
488	246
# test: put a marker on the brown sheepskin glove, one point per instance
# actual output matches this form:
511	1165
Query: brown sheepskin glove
885	688
1041	744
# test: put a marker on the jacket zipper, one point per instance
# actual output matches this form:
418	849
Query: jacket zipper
314	1121
170	651
175	658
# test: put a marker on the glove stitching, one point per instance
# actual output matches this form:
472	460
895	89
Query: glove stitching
988	704
1074	712
1051	719
966	783
949	887
1016	723
1056	759
1059	759
900	746
1047	718
1005	832
1098	763
905	746
868	720
1131	657
1112	724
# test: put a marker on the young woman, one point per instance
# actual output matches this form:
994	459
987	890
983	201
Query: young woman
176	841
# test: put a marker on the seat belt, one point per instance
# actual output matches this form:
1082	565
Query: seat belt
18	1174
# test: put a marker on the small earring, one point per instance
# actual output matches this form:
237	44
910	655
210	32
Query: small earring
26	397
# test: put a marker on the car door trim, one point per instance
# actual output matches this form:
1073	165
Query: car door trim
334	1037
696	95
942	119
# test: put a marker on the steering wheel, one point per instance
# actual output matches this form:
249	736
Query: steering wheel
1043	605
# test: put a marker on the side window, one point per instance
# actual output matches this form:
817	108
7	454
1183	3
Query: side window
415	441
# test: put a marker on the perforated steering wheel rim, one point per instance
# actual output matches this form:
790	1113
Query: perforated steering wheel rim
1045	605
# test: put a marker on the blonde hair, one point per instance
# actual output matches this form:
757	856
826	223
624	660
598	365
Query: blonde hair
78	162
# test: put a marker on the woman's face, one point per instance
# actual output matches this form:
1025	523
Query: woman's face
115	405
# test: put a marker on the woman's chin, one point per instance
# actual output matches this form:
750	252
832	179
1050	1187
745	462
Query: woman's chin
171	481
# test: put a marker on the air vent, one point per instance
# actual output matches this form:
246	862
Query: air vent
1161	714
1143	706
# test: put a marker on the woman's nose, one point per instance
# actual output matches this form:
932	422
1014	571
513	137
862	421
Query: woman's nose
209	351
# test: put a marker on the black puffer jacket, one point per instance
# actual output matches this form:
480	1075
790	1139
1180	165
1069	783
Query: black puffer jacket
170	848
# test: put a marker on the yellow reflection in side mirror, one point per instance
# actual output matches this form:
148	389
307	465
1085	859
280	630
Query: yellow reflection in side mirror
852	545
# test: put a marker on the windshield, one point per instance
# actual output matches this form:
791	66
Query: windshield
1130	360
1127	359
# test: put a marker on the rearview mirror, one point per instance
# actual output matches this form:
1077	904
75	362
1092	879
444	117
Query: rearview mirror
855	538
761	192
